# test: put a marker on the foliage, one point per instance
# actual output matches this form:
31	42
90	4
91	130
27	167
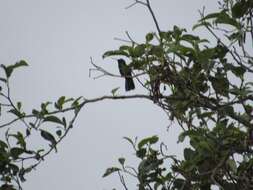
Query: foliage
17	153
204	85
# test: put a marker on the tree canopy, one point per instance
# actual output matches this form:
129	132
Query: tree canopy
203	84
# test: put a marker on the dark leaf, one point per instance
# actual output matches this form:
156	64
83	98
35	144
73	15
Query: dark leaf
115	53
47	136
16	113
224	18
3	145
202	23
111	170
16	152
9	69
59	133
220	85
129	140
139	50
239	9
19	105
141	153
189	154
7	187
149	37
20	139
211	16
53	119
60	102
122	161
179	183
149	140
238	71
157	51
14	169
113	91
22	173
232	165
20	64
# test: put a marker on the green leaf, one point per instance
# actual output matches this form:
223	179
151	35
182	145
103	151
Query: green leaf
44	106
208	115
202	23
59	133
24	171
49	137
204	147
138	51
124	48
64	122
113	91
19	105
21	63
111	170
3	145
190	38
211	16
239	9
16	152
228	110
224	18
221	18
232	165
115	53
7	187
17	113
129	140
122	161
60	102
189	154
28	131
220	85
149	37
141	153
36	112
14	168
54	119
157	51
76	103
149	140
178	184
181	137
9	69
20	139
238	71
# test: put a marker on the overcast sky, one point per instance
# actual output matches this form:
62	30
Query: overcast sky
57	38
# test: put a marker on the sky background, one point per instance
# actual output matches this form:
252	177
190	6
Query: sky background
57	39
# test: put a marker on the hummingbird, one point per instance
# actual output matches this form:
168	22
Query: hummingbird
126	71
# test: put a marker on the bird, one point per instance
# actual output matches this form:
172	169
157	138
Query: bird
126	72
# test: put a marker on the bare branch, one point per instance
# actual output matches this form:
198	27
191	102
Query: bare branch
133	4
153	16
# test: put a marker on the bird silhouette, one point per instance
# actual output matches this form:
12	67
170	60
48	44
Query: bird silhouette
126	72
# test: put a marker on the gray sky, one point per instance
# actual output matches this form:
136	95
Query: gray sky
56	38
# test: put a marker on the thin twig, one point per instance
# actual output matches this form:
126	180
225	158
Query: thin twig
153	16
129	6
122	40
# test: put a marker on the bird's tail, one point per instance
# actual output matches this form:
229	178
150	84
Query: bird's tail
129	84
